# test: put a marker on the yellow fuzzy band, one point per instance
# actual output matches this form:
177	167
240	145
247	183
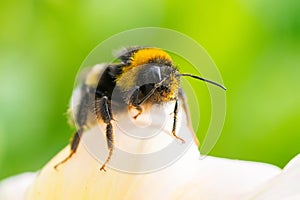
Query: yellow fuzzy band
143	56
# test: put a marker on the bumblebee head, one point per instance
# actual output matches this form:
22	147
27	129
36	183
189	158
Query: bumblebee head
160	80
153	72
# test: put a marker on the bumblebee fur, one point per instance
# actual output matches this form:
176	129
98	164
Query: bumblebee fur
144	76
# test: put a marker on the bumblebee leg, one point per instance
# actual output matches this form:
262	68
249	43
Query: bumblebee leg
175	122
104	112
110	144
183	99
134	102
81	120
74	144
139	109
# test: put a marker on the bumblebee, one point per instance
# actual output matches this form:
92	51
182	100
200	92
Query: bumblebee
144	76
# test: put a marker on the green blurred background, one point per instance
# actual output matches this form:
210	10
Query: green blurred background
255	44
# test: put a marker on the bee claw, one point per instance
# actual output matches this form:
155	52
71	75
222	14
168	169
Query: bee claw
134	117
63	161
178	138
103	168
181	140
55	167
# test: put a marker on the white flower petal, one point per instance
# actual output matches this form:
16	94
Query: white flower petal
14	188
188	178
210	178
284	186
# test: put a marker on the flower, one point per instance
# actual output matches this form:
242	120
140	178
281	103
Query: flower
188	178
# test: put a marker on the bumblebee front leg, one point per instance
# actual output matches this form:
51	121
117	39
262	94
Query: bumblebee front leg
183	99
175	122
134	102
104	112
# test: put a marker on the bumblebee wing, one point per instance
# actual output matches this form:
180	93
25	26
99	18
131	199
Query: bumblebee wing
91	76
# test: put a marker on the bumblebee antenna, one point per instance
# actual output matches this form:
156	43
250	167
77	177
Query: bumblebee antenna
205	80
